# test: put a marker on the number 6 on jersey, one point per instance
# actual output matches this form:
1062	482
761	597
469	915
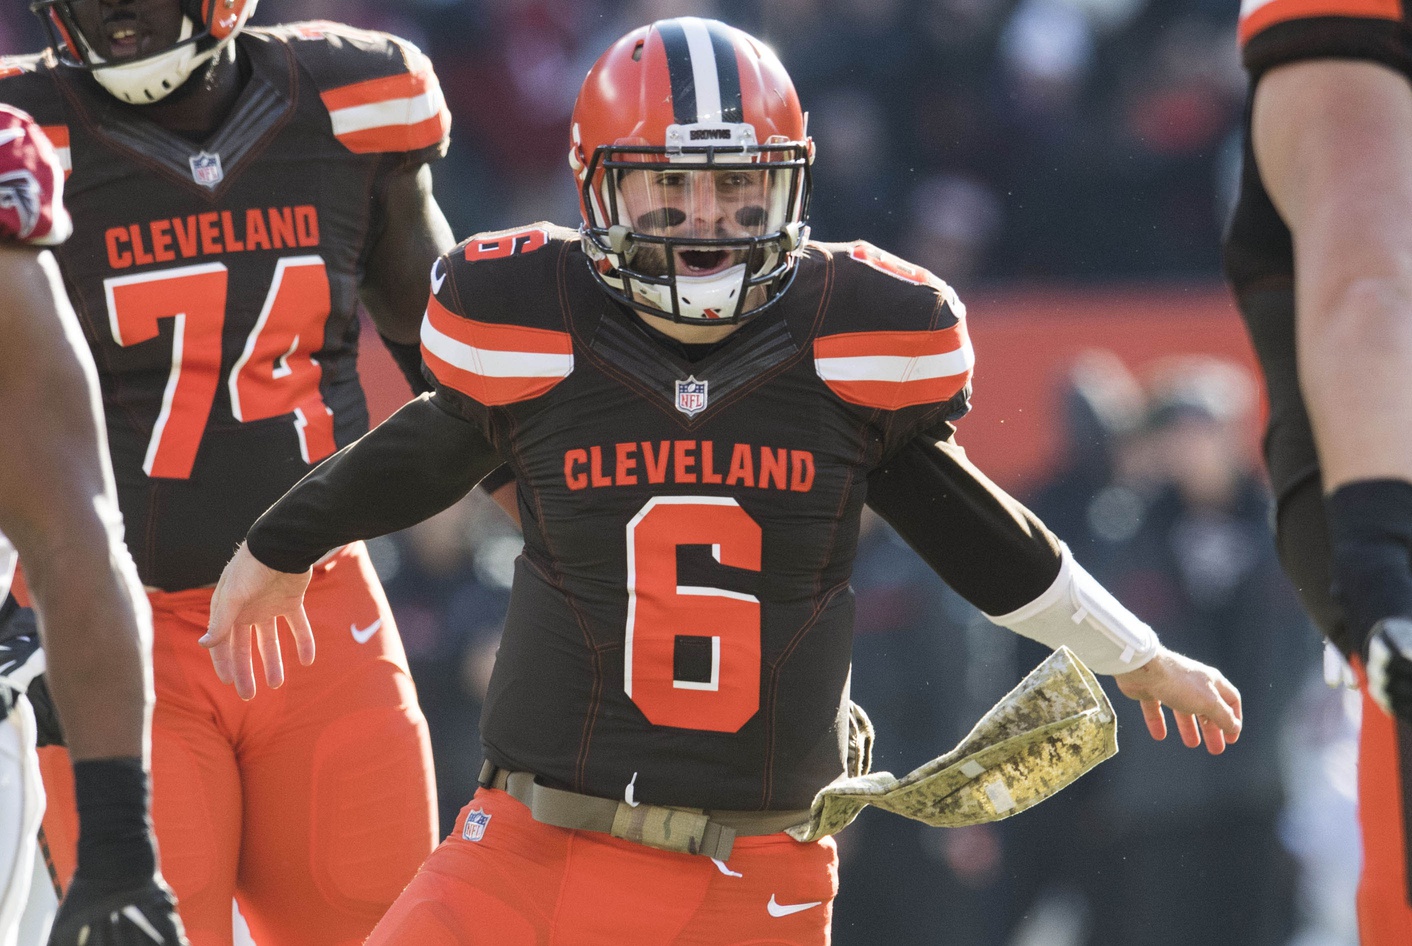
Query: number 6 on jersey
660	610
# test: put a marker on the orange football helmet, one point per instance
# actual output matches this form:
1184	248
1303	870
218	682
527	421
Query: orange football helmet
693	162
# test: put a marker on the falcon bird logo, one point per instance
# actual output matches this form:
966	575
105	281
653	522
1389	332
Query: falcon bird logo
20	192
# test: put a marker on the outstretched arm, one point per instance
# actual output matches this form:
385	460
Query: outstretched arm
419	461
1001	558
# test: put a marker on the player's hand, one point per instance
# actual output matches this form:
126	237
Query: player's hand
249	597
140	916
1389	664
1203	702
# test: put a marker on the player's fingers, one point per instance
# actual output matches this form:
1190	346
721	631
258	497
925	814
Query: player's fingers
242	662
1156	720
1231	695
1187	729
1214	735
303	635
219	624
221	658
268	638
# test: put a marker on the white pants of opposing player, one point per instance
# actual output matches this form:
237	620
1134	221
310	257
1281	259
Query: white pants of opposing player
21	809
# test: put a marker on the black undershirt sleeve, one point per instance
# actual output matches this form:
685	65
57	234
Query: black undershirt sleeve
419	461
978	538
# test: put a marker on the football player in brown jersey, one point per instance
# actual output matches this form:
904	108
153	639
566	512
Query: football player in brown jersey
58	504
697	402
1318	256
236	193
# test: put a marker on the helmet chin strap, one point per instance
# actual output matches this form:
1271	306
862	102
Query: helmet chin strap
155	77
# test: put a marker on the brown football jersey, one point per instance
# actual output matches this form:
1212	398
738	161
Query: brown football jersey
218	282
681	620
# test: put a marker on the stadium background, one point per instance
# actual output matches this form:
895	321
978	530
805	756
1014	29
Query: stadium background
1067	165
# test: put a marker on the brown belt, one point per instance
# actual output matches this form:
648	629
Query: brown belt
684	830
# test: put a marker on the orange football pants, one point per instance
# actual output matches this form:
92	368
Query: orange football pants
314	804
508	880
1385	817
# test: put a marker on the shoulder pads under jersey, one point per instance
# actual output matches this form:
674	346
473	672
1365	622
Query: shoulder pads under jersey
381	92
895	334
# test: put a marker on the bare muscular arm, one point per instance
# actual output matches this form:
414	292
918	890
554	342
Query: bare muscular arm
414	234
59	508
1333	140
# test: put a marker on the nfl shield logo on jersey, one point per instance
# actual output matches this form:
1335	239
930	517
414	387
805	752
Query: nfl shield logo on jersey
476	820
691	396
206	169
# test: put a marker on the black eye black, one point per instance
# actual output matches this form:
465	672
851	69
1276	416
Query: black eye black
750	216
662	218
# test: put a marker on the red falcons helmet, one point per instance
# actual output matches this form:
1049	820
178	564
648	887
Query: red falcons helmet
82	31
693	164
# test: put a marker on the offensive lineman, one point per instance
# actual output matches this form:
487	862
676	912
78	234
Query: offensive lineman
235	193
1318	256
696	402
58	503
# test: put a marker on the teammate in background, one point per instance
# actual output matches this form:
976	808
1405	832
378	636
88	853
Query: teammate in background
235	193
1318	254
58	504
696	402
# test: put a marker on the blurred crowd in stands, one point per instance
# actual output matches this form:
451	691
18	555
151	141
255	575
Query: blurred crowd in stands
985	139
996	142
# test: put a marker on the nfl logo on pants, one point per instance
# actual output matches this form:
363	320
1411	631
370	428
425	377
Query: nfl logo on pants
691	396
476	820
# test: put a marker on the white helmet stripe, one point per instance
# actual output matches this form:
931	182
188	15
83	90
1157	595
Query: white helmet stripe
703	69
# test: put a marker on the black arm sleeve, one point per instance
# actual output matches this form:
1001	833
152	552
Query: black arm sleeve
983	542
419	461
408	356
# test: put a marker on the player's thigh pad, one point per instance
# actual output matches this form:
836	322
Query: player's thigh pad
21	809
339	792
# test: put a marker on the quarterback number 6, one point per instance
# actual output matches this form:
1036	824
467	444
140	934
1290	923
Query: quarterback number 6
661	609
276	373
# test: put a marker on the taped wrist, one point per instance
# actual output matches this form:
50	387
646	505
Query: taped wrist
115	847
1370	532
1077	612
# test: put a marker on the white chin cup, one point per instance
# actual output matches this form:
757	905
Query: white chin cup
155	77
696	295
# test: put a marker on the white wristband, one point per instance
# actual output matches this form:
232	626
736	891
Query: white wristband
1079	613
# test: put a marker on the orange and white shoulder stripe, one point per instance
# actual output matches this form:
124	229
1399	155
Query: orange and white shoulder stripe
494	364
893	370
1259	15
58	136
404	112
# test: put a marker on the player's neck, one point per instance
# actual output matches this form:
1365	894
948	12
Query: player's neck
196	110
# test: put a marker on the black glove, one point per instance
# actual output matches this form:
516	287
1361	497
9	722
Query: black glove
1388	659
92	915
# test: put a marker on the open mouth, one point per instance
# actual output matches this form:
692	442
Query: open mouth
124	38
705	262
